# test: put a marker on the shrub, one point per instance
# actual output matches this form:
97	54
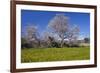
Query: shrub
55	44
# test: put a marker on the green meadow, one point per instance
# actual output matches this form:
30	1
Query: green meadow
54	54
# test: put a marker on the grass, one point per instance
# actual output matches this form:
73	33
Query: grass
54	54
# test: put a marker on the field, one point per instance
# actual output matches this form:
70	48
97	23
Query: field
54	54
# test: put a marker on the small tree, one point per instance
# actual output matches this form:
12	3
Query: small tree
31	32
59	26
31	35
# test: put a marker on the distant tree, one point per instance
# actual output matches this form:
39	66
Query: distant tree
59	26
31	35
31	32
86	40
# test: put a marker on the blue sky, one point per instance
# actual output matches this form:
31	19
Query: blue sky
42	18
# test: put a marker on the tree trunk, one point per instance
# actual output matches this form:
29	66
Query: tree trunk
62	42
